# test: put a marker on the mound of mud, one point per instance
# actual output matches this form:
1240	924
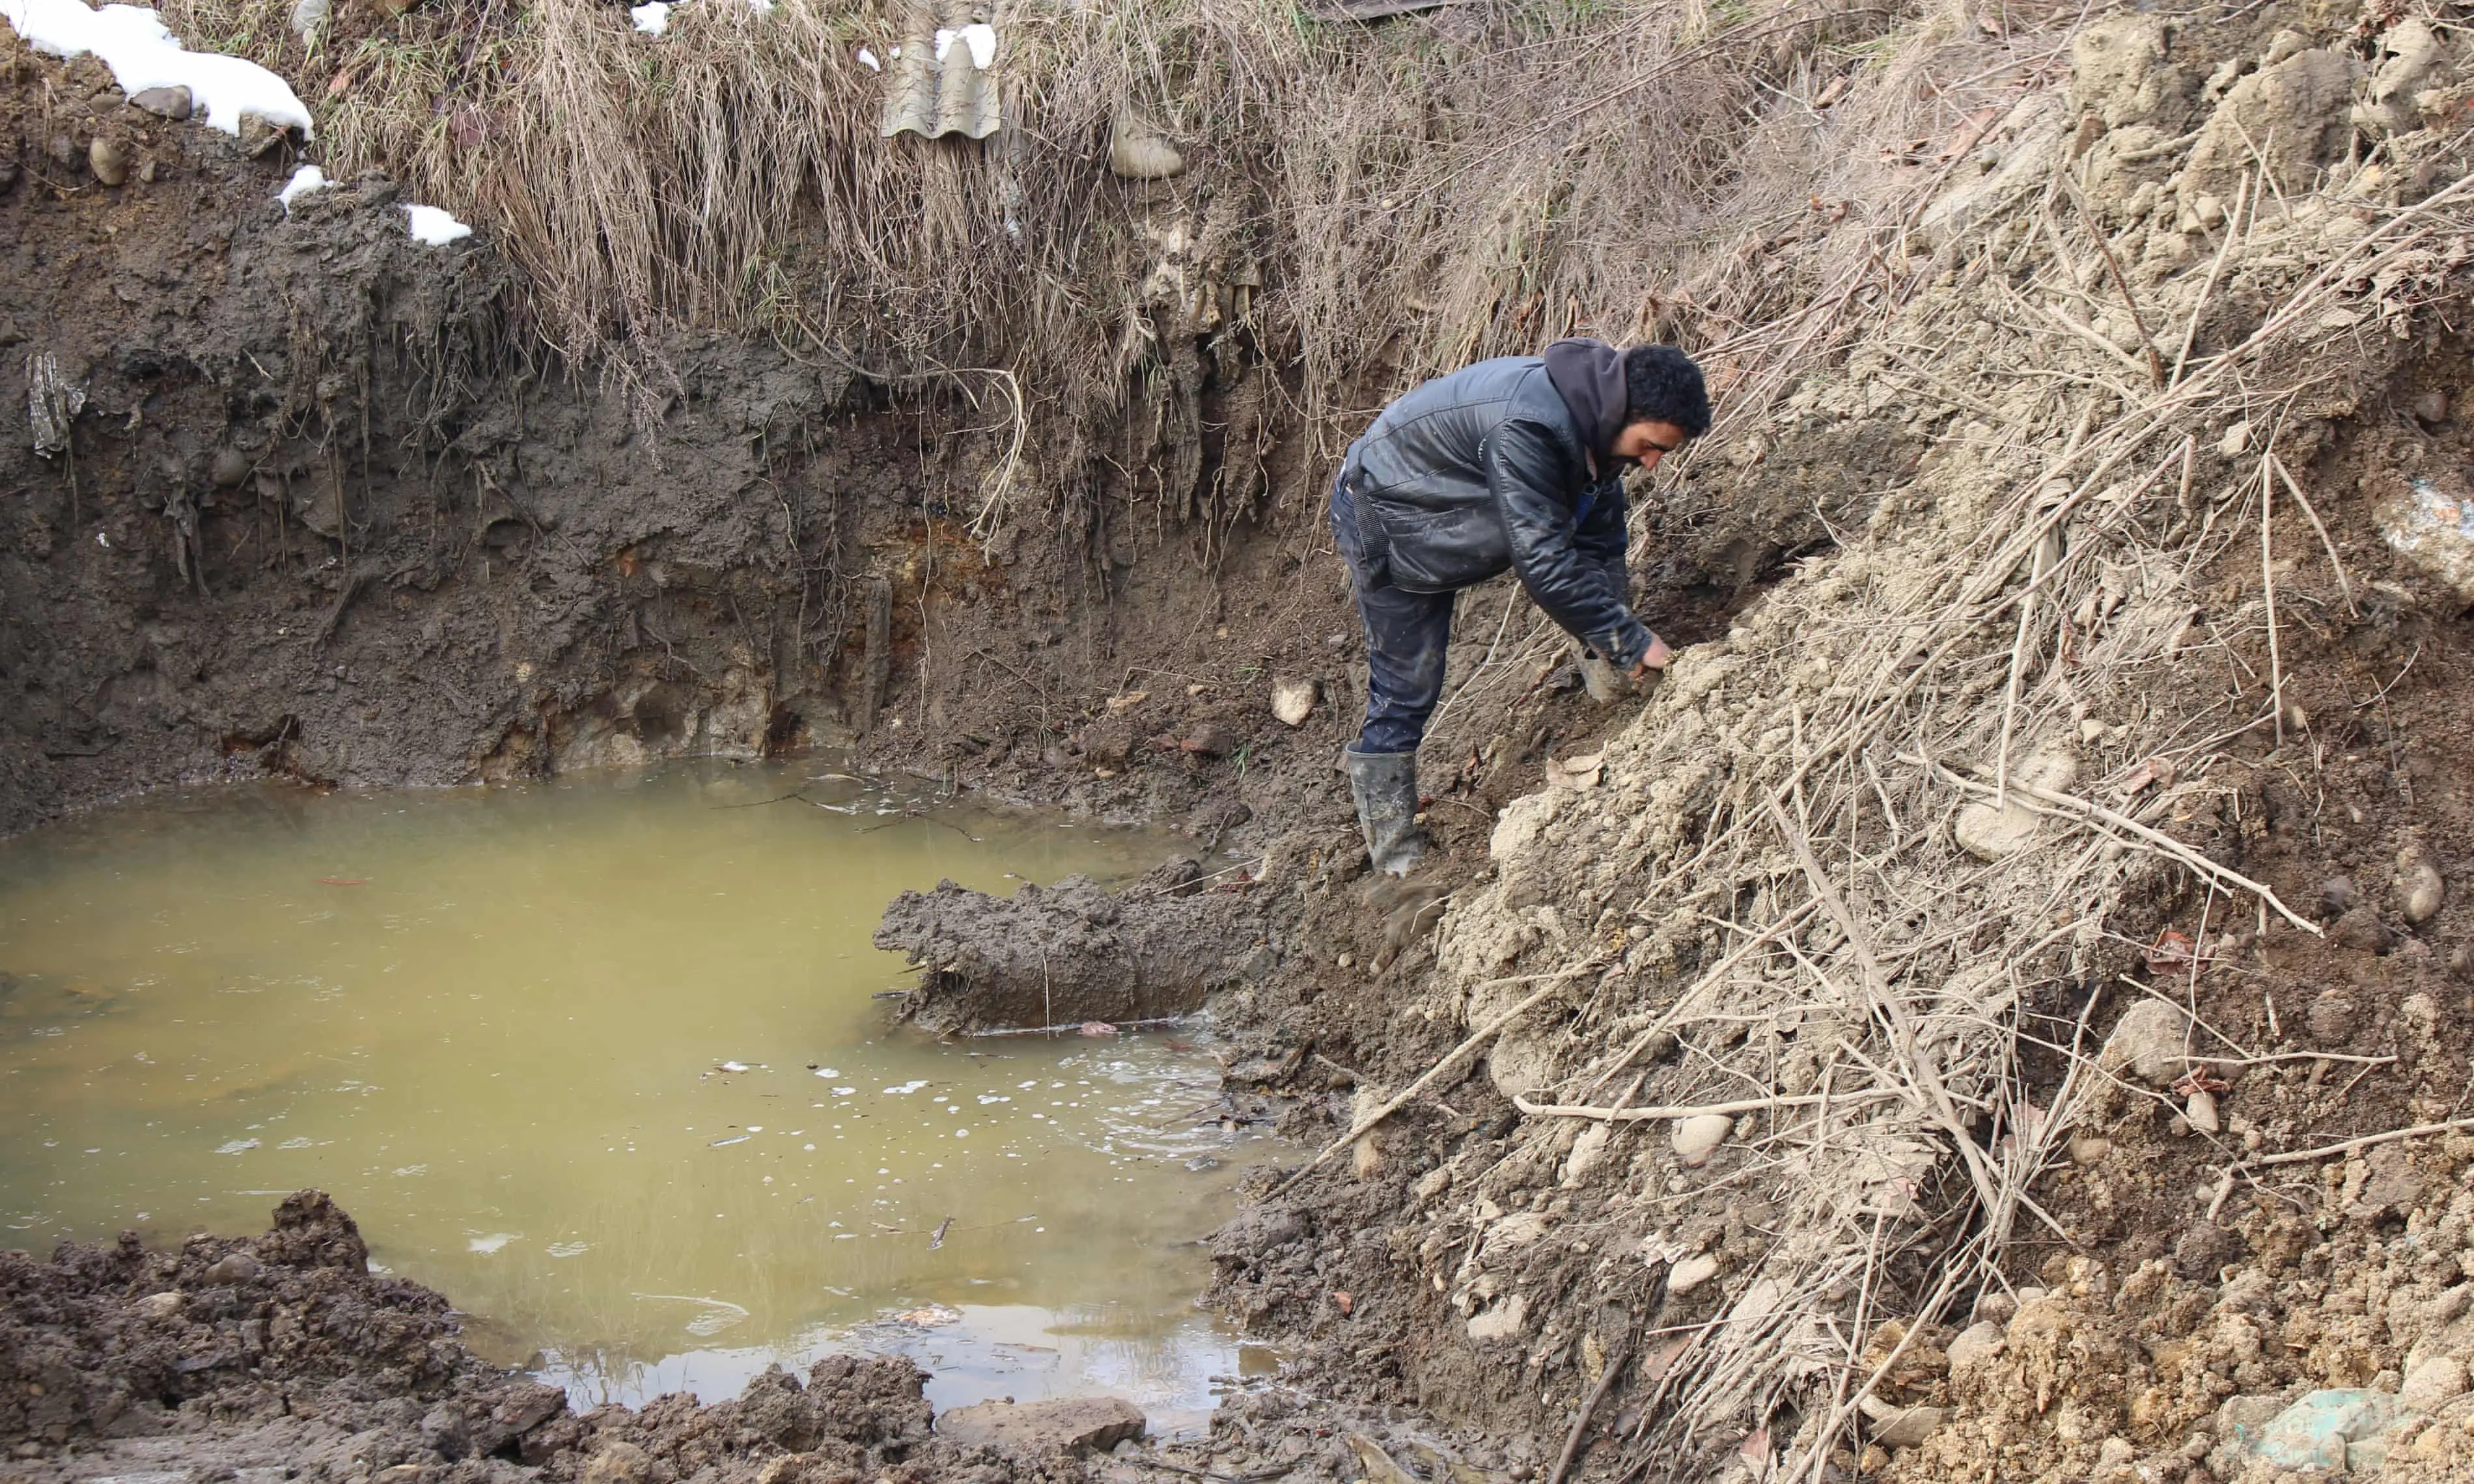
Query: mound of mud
286	1350
1071	953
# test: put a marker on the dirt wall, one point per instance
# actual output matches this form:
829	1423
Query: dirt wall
326	507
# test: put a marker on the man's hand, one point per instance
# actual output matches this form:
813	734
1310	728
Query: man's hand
1656	657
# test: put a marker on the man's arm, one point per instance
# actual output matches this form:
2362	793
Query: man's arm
1601	536
1565	575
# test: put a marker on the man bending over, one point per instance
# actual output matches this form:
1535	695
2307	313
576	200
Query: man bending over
1512	462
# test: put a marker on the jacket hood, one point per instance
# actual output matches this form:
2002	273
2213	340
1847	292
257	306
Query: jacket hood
1589	375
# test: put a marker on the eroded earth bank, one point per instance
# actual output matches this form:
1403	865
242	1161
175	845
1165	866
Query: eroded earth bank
1998	1010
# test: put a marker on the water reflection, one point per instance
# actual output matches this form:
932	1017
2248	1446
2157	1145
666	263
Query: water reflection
599	1061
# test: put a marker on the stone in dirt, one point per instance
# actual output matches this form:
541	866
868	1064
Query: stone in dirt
2420	891
1036	1428
108	161
2201	1110
1978	1343
2148	1042
1691	1273
173	103
1070	953
2432	1384
1995	834
237	1268
1503	1322
1293	701
1697	1139
1904	1426
2330	1431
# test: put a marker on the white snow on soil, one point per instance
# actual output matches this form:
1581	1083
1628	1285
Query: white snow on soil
981	38
651	19
306	178
434	226
142	53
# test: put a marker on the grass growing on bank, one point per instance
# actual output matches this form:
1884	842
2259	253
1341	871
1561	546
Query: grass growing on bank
1363	204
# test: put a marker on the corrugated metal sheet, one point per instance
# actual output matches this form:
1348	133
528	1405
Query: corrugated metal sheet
933	96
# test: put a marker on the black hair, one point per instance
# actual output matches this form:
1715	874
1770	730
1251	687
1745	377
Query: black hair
1661	383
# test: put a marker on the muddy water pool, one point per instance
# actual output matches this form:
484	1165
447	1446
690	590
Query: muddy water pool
602	1061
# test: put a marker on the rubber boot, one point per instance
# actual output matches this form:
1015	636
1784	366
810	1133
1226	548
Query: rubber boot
1384	787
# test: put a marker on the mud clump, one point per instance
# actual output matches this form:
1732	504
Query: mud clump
284	1350
1072	953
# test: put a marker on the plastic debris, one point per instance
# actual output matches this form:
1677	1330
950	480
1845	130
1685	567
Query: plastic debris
2329	1431
52	403
652	19
2433	528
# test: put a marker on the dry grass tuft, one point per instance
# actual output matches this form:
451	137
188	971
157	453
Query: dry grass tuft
1365	205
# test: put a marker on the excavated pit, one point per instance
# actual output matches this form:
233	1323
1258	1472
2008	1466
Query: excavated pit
439	559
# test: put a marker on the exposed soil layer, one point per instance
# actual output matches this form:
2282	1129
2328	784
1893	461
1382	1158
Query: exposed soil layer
316	516
325	511
2176	1276
328	509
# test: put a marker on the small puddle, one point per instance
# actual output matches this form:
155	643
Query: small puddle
599	1061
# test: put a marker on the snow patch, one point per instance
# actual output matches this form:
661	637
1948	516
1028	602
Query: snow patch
434	226
142	53
651	19
979	36
306	178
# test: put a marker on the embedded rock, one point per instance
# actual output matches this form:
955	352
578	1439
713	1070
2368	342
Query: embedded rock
2148	1042
1696	1139
1038	1428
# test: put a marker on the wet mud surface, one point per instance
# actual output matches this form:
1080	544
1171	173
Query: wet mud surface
790	568
1074	953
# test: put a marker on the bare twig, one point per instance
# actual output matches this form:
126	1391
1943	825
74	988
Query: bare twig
2166	843
1452	1060
2331	1151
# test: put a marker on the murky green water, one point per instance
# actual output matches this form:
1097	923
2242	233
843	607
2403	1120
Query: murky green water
599	1061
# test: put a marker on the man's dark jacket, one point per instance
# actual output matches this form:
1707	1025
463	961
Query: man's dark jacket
1484	469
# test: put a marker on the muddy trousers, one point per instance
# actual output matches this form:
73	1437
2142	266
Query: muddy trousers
1406	634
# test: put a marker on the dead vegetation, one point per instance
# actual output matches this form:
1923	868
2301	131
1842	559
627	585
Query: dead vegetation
1362	205
1916	822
